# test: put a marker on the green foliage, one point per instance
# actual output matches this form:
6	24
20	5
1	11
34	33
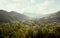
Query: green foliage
20	30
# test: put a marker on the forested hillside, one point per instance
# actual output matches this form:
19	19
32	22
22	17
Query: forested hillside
47	27
20	30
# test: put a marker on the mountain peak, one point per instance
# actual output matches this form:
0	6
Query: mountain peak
7	17
2	11
58	12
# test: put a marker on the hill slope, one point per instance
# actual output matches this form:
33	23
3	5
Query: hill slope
52	18
49	19
8	17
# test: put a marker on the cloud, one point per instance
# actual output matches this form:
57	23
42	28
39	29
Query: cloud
39	7
33	1
44	5
26	5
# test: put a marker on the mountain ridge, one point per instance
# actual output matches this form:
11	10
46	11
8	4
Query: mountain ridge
8	17
52	18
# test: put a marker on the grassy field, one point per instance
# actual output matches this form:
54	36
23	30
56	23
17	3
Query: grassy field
20	30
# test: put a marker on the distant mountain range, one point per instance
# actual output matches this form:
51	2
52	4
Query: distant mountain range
52	18
9	17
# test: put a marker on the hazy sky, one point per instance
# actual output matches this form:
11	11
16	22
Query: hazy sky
31	6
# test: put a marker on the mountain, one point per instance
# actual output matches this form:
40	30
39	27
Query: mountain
9	17
54	18
51	18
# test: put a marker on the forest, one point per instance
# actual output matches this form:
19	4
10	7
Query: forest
21	30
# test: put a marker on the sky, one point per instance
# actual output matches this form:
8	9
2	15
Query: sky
31	6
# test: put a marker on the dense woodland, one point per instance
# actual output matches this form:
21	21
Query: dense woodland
20	30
